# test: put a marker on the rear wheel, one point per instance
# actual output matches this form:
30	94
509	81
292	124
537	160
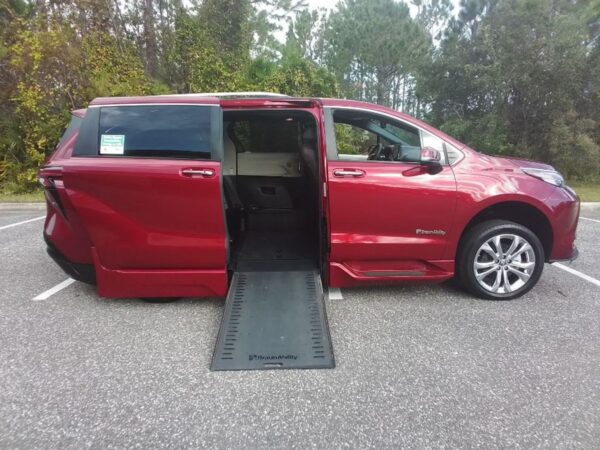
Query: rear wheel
500	260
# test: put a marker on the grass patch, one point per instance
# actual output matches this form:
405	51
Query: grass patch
588	192
7	197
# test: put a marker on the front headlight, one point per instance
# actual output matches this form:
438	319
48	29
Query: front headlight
549	176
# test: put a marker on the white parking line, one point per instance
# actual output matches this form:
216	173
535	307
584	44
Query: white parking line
335	294
587	218
577	273
21	223
59	287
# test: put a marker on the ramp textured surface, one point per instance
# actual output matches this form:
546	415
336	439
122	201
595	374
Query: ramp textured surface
274	320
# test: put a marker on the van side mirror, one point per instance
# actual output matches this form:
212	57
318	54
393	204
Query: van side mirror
432	159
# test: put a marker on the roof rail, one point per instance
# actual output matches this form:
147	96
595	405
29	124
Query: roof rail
239	94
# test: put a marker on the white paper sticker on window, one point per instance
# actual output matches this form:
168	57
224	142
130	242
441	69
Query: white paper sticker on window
112	144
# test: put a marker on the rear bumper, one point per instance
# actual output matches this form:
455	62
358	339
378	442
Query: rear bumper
80	272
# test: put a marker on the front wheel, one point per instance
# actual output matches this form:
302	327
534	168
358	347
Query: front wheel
500	260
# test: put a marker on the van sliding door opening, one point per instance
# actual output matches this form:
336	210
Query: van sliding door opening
270	179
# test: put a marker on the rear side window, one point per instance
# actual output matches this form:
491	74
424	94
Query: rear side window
151	131
72	128
155	131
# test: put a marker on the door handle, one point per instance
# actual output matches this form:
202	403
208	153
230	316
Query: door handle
205	173
354	173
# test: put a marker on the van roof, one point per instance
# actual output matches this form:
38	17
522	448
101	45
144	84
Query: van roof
227	99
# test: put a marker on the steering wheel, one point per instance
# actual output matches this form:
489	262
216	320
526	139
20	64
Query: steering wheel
397	153
374	151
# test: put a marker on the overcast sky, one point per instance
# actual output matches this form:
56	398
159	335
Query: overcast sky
312	4
330	4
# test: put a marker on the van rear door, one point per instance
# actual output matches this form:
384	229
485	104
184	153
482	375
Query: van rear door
145	180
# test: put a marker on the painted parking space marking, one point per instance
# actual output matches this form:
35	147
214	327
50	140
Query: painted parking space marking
591	220
577	273
59	287
335	294
22	222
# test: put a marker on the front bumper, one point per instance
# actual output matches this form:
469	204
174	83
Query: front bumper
564	217
575	254
572	257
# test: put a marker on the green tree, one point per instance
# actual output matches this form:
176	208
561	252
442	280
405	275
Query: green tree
517	77
226	24
46	88
506	76
369	44
56	70
202	68
295	73
301	78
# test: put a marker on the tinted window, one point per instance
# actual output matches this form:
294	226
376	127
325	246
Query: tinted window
407	135
453	154
363	136
71	129
156	131
353	140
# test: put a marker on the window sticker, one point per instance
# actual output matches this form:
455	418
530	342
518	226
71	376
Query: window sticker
112	144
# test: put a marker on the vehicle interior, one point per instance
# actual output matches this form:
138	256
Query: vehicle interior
363	137
270	184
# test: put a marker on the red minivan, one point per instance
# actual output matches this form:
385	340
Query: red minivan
170	196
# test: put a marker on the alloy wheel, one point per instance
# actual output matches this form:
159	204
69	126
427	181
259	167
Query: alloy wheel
504	263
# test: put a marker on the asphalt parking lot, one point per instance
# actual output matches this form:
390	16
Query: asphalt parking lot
420	366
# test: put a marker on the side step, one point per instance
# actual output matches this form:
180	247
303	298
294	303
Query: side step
274	320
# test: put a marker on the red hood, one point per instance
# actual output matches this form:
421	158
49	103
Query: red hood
518	162
522	162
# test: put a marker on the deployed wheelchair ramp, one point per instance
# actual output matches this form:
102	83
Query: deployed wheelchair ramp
274	320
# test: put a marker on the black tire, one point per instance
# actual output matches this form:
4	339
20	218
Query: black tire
475	238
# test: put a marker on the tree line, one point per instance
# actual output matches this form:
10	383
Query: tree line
509	77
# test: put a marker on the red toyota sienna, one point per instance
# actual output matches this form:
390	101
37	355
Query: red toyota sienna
170	196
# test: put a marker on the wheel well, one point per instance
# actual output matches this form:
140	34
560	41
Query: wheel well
521	213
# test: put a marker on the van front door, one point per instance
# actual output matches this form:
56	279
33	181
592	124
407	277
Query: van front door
146	181
388	217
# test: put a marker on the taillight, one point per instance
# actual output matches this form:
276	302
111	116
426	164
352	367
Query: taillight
44	182
50	177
